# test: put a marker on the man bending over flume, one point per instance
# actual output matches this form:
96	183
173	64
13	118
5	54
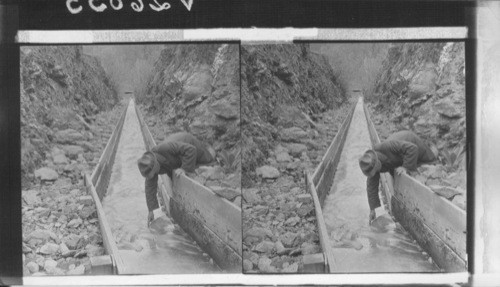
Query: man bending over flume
181	152
401	151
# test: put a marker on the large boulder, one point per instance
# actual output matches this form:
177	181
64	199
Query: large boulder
46	174
225	110
49	248
68	136
251	196
296	149
268	172
72	151
293	134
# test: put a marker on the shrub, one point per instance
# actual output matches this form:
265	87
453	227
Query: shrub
452	159
230	160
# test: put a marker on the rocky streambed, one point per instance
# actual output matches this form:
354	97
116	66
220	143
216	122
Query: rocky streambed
279	222
60	226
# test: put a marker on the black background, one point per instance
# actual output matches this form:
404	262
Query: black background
53	15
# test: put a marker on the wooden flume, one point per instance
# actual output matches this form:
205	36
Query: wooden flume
438	226
213	222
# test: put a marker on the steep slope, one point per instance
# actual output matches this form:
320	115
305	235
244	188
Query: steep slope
195	88
422	88
60	88
68	111
292	107
279	82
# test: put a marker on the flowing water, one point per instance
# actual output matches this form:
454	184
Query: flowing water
163	248
383	246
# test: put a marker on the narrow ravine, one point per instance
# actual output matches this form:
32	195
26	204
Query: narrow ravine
358	247
164	248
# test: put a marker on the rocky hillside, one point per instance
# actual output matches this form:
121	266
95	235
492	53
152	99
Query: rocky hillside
61	89
195	88
292	107
68	111
282	86
422	88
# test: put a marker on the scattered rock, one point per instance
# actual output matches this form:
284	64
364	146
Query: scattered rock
33	267
75	222
26	249
93	250
72	241
296	149
46	174
292	221
60	159
63	248
304	198
247	265
226	110
49	249
39	234
293	165
30	197
86	199
80	270
293	134
50	265
268	172
73	151
280	249
68	136
258	232
265	247
446	108
309	248
250	196
288	238
283	157
292	268
69	253
264	265
86	212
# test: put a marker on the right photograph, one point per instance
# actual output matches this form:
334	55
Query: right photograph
354	157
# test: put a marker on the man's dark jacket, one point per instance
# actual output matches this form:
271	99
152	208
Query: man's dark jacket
179	150
403	148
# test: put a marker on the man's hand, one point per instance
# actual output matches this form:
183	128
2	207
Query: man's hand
151	217
401	170
179	172
372	216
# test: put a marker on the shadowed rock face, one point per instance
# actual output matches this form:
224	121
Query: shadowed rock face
422	88
61	89
282	86
195	88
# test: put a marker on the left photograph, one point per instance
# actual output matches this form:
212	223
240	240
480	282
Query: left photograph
130	158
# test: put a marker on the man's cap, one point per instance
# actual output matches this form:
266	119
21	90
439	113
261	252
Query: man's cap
148	165
369	163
